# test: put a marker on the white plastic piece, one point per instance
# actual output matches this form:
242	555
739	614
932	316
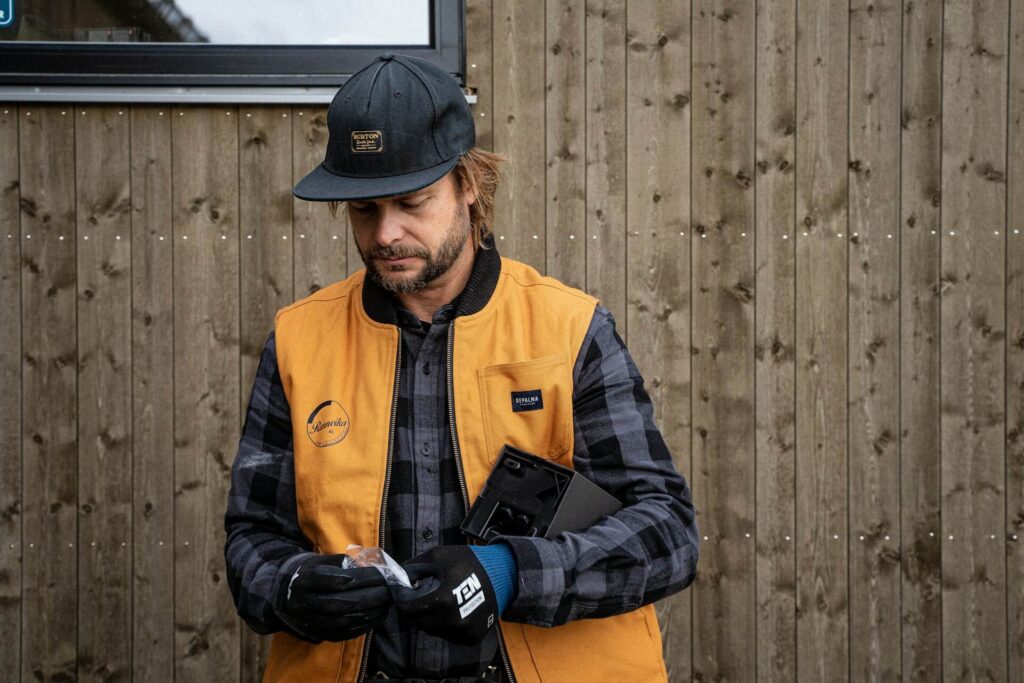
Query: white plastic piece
358	556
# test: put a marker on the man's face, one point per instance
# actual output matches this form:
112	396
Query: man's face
411	240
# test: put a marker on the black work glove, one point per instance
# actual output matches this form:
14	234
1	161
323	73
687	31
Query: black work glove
452	596
321	601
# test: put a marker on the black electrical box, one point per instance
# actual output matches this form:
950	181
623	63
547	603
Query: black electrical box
526	495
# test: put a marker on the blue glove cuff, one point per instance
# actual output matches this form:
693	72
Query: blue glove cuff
500	565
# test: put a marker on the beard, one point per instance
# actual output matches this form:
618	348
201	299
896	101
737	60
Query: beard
435	264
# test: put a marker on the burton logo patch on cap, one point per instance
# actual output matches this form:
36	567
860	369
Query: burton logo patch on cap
367	141
327	424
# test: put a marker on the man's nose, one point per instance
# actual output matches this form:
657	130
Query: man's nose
389	225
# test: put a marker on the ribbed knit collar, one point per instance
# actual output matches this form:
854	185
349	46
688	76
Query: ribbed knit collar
380	304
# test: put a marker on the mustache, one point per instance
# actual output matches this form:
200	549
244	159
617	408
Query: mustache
392	252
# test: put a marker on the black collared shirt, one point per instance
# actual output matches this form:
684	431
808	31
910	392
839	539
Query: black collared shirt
425	504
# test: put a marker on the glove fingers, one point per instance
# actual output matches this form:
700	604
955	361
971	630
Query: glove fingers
327	578
425	578
346	602
421	570
355	621
334	629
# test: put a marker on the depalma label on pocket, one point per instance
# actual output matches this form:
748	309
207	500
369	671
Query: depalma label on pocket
527	400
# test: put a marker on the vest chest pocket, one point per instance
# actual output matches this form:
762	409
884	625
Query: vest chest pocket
528	405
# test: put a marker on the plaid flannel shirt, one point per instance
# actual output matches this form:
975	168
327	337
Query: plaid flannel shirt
644	552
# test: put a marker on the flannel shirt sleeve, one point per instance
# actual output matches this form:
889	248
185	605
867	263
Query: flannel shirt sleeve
264	543
645	551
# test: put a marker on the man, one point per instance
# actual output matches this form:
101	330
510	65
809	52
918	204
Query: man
379	408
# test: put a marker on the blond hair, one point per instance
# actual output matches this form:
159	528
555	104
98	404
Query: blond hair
478	171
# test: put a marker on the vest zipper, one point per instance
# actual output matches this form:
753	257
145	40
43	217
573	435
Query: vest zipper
384	498
462	478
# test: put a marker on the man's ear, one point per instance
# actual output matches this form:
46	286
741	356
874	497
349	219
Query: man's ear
467	192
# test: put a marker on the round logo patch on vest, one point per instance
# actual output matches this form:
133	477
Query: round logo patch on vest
327	424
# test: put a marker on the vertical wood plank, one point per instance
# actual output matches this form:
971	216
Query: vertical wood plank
152	395
11	501
658	268
606	153
321	257
920	444
1015	350
973	340
566	207
50	399
723	339
518	128
479	59
774	358
874	327
206	392
265	209
103	217
821	334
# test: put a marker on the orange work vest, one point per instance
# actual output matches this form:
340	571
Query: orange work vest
339	369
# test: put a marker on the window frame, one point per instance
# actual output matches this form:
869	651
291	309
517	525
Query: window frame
197	65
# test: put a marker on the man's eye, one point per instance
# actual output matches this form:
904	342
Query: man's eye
413	205
361	208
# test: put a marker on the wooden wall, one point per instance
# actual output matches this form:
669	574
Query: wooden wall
808	222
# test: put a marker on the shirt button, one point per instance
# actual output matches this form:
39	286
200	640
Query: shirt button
428	534
426	368
425	449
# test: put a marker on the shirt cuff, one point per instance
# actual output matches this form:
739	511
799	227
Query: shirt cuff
541	581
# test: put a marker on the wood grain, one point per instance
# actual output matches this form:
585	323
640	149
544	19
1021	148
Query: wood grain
723	338
606	152
49	394
519	129
206	392
1015	350
783	408
479	67
322	256
266	266
103	215
821	342
973	341
873	347
153	364
565	172
658	138
920	341
265	163
775	344
11	501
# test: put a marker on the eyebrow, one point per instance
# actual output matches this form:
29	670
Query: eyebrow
398	198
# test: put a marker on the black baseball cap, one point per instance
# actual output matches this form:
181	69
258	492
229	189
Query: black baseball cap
396	126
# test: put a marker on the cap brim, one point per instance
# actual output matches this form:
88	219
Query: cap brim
320	185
